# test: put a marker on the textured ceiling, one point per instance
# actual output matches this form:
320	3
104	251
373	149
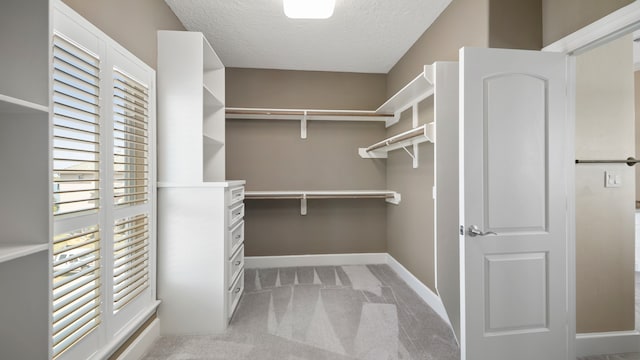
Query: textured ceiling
367	36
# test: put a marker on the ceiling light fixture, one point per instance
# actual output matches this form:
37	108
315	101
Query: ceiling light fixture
308	9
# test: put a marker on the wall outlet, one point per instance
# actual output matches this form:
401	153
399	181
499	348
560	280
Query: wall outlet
612	179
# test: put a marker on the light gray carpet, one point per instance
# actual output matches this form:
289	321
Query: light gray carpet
332	312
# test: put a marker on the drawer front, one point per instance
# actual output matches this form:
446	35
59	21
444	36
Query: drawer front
236	213
234	294
236	264
236	238
235	196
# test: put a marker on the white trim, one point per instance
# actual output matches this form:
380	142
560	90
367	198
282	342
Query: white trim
261	262
614	342
123	335
143	342
617	23
431	298
620	22
571	204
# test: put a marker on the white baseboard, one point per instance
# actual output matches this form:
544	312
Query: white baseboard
421	289
143	342
614	342
261	262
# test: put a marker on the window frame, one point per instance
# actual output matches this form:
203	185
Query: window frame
115	327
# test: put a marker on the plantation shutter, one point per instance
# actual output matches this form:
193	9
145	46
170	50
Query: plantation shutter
76	129
76	296
131	259
131	140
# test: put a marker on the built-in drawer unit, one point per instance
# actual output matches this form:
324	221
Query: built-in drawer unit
236	264
235	195
234	293
236	238
236	213
235	247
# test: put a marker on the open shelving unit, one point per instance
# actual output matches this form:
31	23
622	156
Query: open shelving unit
198	75
25	177
304	115
200	213
304	195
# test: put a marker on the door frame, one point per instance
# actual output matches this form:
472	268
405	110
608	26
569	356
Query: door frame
620	22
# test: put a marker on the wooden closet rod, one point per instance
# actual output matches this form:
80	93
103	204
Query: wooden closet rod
629	161
298	112
298	197
397	138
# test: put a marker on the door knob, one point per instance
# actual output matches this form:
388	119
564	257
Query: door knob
475	231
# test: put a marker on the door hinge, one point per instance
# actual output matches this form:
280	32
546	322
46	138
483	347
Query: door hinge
461	229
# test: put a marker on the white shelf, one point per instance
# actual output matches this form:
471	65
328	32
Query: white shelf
403	140
415	91
298	114
210	140
11	251
304	195
10	105
210	100
304	115
211	61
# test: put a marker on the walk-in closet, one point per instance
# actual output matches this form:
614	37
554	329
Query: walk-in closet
424	179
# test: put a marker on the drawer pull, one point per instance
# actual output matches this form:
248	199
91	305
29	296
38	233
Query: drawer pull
237	290
237	263
237	237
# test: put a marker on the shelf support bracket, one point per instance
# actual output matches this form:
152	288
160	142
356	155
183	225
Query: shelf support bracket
303	205
413	155
303	126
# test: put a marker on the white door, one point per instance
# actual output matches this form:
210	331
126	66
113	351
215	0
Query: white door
514	275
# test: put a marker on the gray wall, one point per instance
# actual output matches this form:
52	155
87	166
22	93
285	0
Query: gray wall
270	155
605	224
462	23
304	89
563	17
410	228
506	17
133	24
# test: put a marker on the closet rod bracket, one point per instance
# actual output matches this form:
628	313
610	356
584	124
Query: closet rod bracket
303	126
396	199
303	205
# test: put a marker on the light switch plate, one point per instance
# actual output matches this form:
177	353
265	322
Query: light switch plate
612	179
